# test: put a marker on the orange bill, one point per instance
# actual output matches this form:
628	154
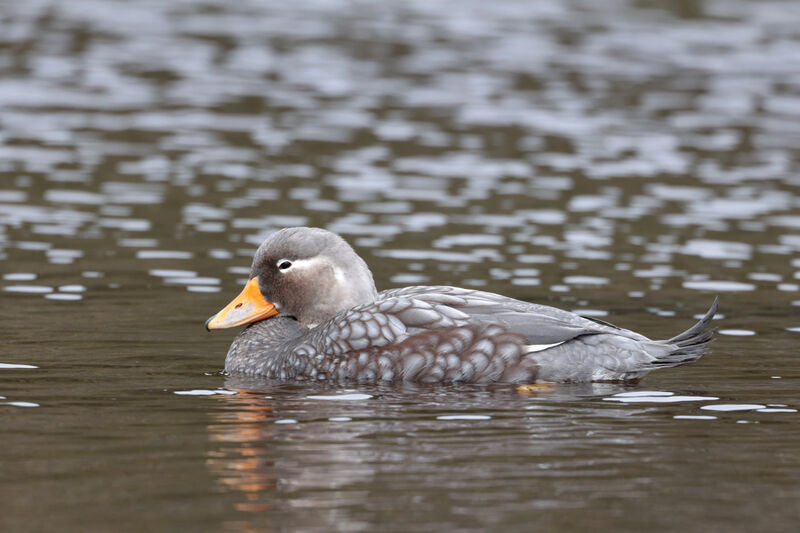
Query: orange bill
248	307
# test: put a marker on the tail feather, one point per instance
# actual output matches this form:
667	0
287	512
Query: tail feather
611	356
692	343
693	332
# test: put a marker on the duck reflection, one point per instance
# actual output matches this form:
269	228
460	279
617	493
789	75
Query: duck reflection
242	463
278	464
285	447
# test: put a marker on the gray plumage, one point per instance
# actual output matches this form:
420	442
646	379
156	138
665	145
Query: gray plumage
334	325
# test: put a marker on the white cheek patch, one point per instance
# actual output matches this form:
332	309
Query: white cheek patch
533	348
307	264
341	279
302	264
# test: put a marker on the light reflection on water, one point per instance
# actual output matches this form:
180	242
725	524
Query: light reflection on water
625	160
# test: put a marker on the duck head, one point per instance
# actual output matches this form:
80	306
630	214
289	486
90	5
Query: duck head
307	273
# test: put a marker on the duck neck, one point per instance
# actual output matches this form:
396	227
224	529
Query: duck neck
267	348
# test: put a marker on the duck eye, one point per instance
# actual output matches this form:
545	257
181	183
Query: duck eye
283	264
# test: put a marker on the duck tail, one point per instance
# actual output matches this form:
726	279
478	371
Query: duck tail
692	343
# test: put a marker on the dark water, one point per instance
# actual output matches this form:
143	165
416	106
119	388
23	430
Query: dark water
625	159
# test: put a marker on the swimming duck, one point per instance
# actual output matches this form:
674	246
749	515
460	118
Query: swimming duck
314	314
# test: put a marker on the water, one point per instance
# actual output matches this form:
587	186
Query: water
625	159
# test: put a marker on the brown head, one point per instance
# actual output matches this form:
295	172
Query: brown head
308	273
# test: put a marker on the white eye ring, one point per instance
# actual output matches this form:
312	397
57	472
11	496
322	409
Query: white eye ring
284	264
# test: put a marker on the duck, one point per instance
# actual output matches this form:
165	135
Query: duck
313	313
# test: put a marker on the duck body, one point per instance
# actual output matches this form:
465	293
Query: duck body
421	333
